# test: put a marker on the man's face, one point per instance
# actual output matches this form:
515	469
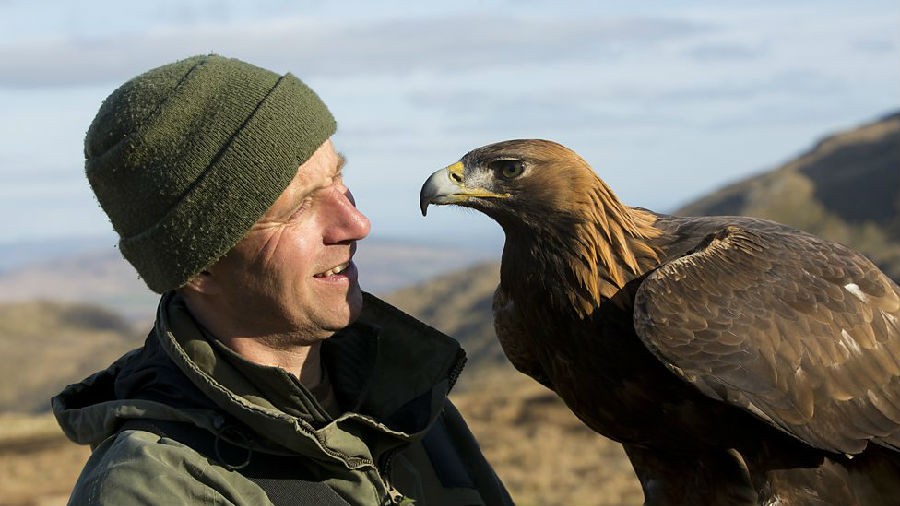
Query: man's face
292	275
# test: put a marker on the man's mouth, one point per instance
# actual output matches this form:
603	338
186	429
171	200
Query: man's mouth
333	271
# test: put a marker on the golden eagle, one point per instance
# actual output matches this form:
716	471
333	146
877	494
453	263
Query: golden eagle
739	361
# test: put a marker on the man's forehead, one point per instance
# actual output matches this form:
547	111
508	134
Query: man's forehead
314	175
317	172
324	162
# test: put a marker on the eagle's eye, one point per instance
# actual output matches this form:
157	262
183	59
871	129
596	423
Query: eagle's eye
508	169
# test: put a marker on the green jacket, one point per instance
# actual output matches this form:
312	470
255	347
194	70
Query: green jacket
390	374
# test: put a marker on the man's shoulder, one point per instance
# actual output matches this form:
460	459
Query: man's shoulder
408	356
139	467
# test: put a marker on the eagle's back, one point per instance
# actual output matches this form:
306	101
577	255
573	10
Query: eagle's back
605	372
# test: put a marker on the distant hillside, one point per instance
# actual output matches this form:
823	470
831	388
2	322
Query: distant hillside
46	345
101	277
846	188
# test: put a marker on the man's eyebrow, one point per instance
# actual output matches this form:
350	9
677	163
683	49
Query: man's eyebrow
342	160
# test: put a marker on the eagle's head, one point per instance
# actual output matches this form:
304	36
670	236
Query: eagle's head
556	213
521	181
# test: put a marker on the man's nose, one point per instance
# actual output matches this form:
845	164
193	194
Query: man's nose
349	224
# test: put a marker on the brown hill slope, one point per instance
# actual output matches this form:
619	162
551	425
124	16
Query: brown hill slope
38	465
46	345
459	304
846	188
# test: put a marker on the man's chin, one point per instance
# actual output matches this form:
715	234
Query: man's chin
348	314
355	303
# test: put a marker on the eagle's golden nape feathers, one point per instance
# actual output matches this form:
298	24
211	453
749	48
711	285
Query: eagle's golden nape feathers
738	361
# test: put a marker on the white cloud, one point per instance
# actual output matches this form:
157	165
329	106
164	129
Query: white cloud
396	46
684	95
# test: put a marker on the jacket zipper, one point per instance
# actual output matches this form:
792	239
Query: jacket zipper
394	496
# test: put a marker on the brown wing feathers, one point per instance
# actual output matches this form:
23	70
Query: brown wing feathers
778	337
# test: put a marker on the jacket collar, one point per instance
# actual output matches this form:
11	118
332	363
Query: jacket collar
392	371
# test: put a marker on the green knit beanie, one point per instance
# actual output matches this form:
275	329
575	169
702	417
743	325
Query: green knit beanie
186	157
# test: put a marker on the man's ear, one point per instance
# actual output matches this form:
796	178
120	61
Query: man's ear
203	282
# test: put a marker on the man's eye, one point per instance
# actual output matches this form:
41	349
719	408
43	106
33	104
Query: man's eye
508	169
304	204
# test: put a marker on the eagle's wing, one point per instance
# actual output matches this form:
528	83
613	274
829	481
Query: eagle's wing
801	332
513	337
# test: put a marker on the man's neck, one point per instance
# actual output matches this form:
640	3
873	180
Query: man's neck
299	357
300	361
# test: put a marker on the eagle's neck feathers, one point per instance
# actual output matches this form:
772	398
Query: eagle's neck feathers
587	251
618	237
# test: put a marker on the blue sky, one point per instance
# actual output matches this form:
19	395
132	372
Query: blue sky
667	100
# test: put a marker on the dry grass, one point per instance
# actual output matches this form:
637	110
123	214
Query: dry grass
38	465
544	455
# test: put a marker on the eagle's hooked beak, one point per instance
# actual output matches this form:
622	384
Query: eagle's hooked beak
447	186
443	187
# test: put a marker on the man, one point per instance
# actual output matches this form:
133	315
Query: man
269	377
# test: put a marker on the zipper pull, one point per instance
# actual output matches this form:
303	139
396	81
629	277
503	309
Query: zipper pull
397	498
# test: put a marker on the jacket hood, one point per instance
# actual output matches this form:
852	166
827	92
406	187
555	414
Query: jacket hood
391	373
